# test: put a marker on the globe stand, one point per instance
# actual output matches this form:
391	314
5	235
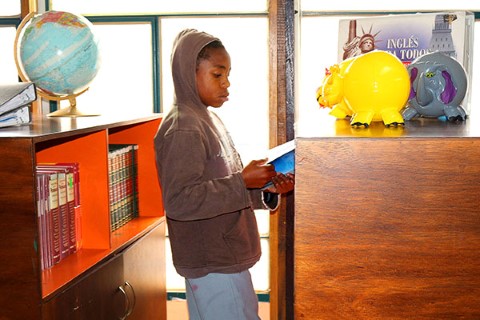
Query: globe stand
71	110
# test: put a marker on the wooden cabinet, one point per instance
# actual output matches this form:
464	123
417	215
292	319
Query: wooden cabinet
387	222
132	280
89	283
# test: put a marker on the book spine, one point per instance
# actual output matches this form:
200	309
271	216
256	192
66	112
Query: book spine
40	224
47	221
135	208
77	207
71	211
64	219
54	213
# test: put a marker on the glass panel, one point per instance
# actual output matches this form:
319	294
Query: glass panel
312	63
175	282
163	6
124	82
261	270
263	221
8	70
246	112
10	8
381	5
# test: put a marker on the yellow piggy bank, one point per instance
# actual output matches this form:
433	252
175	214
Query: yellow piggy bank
374	86
331	94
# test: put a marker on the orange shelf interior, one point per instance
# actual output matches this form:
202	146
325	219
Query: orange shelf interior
91	152
150	201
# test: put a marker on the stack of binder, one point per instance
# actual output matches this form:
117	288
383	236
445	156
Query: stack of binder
15	100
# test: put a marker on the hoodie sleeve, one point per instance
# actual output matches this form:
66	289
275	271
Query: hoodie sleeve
264	200
189	191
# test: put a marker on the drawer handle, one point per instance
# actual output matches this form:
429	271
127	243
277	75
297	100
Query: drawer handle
127	307
129	312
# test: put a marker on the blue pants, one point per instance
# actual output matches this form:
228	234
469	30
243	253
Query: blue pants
222	296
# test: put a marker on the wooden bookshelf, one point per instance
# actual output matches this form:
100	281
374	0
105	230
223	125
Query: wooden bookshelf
37	294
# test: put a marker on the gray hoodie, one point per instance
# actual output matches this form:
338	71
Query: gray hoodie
209	210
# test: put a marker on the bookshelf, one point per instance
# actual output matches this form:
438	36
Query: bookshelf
387	224
37	294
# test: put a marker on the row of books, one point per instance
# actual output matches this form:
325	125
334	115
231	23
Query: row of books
15	101
123	183
59	211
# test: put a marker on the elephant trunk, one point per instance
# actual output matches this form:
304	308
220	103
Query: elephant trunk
424	94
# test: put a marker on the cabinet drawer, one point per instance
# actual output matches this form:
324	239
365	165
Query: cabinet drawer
144	267
96	296
131	285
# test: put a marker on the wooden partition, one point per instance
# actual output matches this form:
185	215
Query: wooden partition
387	222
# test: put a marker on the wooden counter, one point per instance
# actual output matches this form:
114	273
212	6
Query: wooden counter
387	221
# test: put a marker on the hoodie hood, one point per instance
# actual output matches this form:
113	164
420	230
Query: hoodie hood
186	47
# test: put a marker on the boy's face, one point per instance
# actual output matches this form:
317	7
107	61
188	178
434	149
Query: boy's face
212	78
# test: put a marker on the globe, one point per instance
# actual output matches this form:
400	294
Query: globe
59	52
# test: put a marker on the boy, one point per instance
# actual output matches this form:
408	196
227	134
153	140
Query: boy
208	196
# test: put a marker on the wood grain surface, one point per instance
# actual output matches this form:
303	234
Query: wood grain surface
387	228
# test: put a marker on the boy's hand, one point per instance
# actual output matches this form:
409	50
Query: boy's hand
256	174
282	183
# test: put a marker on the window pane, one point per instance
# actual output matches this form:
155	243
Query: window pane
381	5
10	8
246	112
163	6
124	82
8	70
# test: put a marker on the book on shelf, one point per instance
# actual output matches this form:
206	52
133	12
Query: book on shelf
16	95
52	215
282	157
64	214
123	184
58	215
409	36
73	200
42	243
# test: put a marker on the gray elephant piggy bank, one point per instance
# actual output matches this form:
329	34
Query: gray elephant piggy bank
438	87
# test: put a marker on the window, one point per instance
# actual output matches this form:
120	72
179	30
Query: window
248	102
246	41
9	18
8	70
124	83
10	8
386	6
164	7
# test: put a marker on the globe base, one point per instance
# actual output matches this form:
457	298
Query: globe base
70	111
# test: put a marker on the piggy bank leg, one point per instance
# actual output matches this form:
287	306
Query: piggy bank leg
362	119
409	113
341	111
455	113
392	118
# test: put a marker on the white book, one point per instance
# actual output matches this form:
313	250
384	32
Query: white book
16	95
